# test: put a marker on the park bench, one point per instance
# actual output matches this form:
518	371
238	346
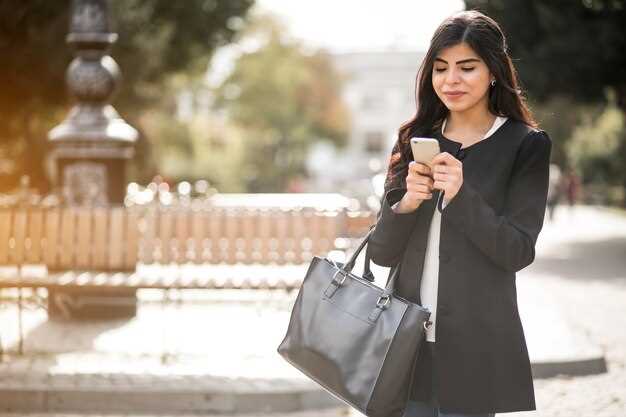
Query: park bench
165	248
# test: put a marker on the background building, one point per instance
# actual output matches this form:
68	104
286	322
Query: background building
380	93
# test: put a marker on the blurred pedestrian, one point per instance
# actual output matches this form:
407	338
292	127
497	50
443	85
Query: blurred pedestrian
573	186
296	185
490	182
555	189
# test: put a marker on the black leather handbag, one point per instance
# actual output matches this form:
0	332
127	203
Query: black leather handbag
357	340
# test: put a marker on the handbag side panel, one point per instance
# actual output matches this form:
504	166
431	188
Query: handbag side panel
393	386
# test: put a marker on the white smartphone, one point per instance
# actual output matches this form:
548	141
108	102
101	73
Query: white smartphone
424	149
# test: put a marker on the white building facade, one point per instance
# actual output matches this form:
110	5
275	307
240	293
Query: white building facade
380	93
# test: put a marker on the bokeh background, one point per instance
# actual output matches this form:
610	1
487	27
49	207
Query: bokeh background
259	133
271	97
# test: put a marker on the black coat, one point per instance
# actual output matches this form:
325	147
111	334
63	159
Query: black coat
488	233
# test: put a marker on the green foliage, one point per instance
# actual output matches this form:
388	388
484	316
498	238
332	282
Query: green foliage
202	148
595	145
559	115
284	98
157	38
571	47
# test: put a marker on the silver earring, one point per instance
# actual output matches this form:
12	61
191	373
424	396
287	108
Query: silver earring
493	82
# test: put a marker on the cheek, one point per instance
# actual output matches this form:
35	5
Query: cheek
437	82
478	83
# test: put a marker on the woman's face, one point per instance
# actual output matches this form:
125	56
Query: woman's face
460	78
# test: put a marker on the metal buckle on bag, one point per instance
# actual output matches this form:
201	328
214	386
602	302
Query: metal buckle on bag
427	324
382	297
343	279
381	304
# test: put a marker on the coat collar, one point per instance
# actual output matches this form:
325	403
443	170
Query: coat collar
454	148
447	145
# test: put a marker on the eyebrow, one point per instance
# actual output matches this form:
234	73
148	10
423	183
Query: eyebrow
463	61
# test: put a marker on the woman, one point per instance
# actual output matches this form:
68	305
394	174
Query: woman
460	227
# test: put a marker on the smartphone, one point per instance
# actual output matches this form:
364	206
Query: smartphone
424	149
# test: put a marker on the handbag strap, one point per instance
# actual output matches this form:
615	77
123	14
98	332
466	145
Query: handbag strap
391	278
393	272
348	266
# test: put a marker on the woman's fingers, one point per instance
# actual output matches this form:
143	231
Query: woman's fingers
419	168
419	172
419	181
447	169
419	188
418	195
443	177
439	185
445	158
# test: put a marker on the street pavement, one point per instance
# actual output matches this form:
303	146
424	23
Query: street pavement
580	271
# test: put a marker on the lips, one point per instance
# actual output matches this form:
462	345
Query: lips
453	95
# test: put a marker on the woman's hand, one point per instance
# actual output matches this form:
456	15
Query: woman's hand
448	174
419	185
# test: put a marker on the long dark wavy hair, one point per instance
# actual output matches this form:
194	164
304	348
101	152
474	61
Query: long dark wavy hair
486	38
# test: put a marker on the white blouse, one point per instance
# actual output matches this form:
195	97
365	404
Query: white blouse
430	273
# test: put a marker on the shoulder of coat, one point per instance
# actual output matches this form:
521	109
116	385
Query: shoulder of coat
527	134
534	141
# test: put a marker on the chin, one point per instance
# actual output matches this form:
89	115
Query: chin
457	107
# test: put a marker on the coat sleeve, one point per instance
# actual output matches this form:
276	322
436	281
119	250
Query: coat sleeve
388	240
508	239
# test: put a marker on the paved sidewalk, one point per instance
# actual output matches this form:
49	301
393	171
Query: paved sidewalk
580	274
582	264
220	357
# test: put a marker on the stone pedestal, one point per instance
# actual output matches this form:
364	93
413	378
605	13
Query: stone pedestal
91	147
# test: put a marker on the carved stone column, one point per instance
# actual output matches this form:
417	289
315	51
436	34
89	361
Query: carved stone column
91	147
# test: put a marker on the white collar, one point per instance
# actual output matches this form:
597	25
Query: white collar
499	121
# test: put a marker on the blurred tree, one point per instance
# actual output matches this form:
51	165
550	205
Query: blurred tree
200	147
576	48
157	38
284	98
559	115
597	149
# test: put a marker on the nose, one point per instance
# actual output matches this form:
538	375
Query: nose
452	77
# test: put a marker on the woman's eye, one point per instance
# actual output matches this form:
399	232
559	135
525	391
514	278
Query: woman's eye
467	69
440	69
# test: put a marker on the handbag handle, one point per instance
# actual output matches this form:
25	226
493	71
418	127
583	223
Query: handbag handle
391	278
348	266
385	298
